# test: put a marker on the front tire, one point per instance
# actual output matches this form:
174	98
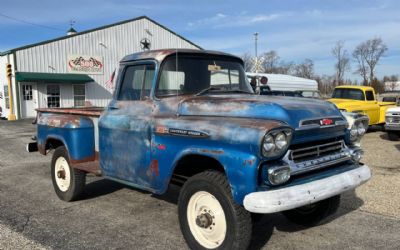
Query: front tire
393	136
208	216
313	214
68	182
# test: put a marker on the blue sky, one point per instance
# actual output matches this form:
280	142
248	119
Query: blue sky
296	29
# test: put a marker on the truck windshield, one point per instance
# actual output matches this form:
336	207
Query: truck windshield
353	94
187	75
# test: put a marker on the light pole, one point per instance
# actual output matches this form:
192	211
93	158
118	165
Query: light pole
255	48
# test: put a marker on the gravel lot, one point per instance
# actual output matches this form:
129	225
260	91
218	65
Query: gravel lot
115	216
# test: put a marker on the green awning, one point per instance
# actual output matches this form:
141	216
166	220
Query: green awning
52	78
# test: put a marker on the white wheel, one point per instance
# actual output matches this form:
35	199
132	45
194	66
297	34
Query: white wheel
62	174
206	219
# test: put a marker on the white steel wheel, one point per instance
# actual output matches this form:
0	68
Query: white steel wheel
206	219
62	174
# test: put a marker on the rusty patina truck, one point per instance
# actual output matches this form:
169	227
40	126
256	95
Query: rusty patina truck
191	118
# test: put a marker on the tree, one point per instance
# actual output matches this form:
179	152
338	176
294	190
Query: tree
342	61
271	61
248	63
368	55
305	69
377	85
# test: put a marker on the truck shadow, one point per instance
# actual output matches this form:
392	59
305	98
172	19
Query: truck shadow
263	226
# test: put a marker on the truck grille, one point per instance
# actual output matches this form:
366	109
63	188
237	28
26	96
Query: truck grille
317	151
393	119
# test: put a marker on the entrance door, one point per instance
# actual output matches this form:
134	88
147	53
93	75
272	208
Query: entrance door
29	102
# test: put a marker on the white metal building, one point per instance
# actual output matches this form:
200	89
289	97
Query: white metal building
76	70
287	83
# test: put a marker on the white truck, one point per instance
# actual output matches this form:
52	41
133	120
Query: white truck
392	125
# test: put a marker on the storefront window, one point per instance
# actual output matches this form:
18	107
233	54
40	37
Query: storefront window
6	97
79	95
53	96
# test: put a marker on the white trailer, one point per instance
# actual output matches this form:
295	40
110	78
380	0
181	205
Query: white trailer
287	82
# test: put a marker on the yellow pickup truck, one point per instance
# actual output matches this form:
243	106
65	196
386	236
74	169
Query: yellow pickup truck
361	99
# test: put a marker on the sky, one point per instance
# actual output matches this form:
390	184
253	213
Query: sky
296	29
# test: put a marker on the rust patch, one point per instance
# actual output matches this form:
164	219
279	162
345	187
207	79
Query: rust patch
92	111
153	169
248	162
88	166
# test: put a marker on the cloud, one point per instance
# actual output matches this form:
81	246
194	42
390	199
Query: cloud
221	20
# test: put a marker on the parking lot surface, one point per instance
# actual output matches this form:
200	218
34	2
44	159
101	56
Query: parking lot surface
115	216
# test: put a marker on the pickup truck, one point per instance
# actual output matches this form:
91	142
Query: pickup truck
361	99
392	126
190	118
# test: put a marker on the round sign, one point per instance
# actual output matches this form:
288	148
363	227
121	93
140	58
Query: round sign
264	80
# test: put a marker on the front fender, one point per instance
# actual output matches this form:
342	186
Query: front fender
241	168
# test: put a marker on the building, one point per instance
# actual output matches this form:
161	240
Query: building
392	86
77	69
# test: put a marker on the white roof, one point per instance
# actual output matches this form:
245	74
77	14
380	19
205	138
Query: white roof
287	82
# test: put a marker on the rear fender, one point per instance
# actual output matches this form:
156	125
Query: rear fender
75	132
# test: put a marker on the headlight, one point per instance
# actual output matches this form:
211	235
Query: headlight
278	175
358	130
276	142
269	144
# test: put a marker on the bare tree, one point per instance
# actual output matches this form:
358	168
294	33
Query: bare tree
305	69
271	61
342	61
248	63
368	55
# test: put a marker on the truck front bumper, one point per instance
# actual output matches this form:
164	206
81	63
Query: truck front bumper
300	195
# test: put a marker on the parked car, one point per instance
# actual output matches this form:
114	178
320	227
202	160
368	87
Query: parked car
361	99
173	119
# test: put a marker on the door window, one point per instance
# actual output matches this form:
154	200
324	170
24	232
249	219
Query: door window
53	96
136	83
27	92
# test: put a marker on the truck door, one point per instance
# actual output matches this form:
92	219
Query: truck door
125	128
371	106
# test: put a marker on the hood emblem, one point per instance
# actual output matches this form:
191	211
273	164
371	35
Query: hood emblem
326	122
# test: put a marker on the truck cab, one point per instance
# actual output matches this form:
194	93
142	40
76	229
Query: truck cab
360	99
191	118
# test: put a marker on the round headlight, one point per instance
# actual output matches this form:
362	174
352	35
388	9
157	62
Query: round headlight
361	129
354	132
269	144
280	140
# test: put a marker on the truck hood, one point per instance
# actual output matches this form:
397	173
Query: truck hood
286	109
393	110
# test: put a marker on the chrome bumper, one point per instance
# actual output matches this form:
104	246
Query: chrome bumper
304	194
390	127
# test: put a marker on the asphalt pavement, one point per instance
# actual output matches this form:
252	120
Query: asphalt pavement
114	216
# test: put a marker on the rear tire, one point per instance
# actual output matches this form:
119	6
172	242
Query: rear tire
208	216
313	214
68	182
393	136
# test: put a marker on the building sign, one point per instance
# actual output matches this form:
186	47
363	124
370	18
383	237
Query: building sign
84	64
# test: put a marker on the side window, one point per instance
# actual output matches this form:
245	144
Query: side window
369	95
136	79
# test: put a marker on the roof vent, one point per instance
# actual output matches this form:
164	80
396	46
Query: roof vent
71	31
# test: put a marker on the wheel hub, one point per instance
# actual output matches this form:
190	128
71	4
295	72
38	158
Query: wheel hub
61	174
204	220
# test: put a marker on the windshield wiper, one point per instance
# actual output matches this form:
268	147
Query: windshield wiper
202	92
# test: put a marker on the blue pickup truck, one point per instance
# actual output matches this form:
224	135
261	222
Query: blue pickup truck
191	118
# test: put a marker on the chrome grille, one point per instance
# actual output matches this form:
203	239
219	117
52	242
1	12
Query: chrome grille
307	153
393	119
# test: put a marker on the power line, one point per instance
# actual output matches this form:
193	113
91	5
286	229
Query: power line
27	22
